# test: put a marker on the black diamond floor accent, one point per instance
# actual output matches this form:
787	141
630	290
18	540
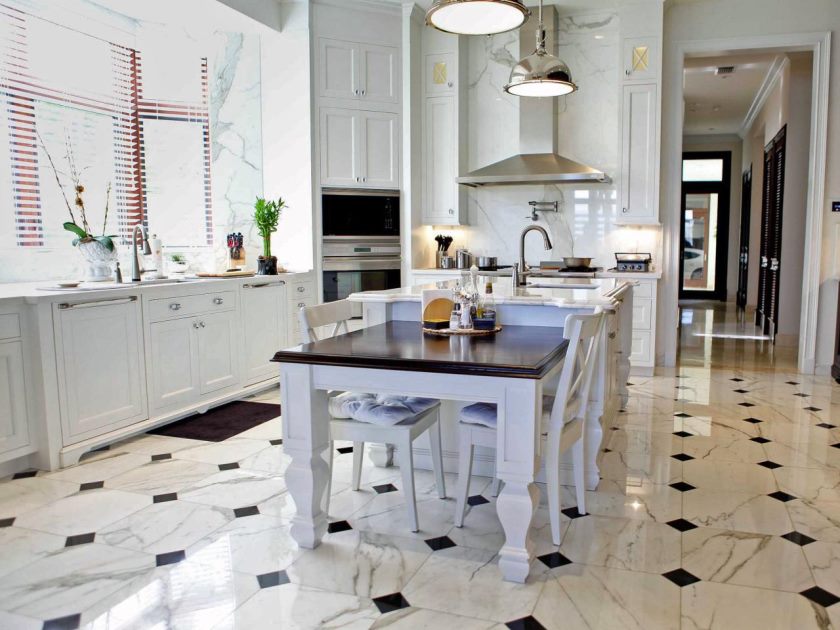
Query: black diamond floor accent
230	466
25	475
682	415
784	497
821	596
70	622
682	387
791	383
439	543
682	525
7	522
276	442
812	409
161	456
572	513
275	578
385	488
799	539
741	391
683	434
554	560
769	465
826	425
801	395
390	603
836	445
737	380
344	450
753	420
526	623
608	450
163	498
746	404
170	557
759	440
91	485
79	539
682	486
251	510
681	577
338	526
477	499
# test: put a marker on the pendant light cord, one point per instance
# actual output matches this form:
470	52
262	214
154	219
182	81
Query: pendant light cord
541	31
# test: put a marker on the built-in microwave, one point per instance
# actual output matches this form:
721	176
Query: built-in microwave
360	213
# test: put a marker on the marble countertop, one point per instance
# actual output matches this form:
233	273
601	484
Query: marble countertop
565	292
656	274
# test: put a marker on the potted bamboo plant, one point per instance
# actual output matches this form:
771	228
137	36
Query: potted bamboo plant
266	217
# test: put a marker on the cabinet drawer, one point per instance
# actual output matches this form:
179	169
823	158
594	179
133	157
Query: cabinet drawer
9	326
644	290
640	353
642	314
188	305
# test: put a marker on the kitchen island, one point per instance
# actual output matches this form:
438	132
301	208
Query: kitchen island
511	369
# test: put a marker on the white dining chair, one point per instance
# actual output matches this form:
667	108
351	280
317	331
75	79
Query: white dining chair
357	417
564	415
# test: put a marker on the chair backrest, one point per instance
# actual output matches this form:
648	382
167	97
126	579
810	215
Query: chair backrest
334	314
584	335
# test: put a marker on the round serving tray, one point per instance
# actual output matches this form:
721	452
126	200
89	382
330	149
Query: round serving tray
448	332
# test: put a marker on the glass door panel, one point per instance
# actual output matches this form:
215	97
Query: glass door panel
700	246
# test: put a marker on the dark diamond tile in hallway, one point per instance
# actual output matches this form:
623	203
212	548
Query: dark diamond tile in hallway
821	596
526	623
91	485
741	391
385	488
230	466
171	557
799	539
836	445
276	442
791	383
682	525
572	513
554	560
759	440
826	425
79	539
683	457
275	578
801	395
683	434
784	497
70	622
7	522
338	526
681	577
439	543
737	380
344	450
25	475
812	408
163	498
770	465
682	486
753	420
682	414
746	404
477	499
250	510
161	456
390	603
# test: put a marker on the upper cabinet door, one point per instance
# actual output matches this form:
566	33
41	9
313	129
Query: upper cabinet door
380	150
639	176
14	430
339	69
378	70
340	147
440	206
440	74
641	59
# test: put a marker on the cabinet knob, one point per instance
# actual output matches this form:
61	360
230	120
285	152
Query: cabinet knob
301	304
364	92
175	306
450	84
301	289
364	179
358	179
628	72
195	325
624	210
356	92
451	211
201	324
218	301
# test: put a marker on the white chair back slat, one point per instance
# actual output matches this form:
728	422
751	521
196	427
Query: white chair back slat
335	314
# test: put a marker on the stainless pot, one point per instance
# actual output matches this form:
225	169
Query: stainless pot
447	262
576	262
488	263
463	259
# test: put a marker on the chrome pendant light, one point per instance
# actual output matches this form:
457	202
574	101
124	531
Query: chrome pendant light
477	17
540	74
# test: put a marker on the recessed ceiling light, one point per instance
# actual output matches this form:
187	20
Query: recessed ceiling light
477	17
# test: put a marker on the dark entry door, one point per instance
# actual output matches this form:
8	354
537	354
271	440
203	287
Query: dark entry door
744	246
767	314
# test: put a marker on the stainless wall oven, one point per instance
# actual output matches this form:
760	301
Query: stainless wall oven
361	241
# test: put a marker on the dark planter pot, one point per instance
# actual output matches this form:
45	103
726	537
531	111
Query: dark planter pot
267	266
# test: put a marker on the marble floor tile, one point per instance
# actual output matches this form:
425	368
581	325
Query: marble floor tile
84	512
235	488
162	477
270	430
741	511
152	444
729	476
634	545
20	547
723	449
818	520
19	496
100	469
600	598
804	455
226	452
639	467
412	618
269	460
745	559
483	530
630	439
824	560
711	606
643	500
810	484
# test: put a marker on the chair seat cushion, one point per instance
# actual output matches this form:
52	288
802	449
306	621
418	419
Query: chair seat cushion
485	414
384	410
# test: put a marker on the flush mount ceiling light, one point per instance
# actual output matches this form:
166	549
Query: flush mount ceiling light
477	17
540	74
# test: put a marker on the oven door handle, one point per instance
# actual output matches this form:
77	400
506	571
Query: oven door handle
361	263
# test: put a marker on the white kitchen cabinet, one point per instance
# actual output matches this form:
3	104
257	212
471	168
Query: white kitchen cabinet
358	72
380	155
643	351
217	353
264	330
639	155
359	148
441	204
339	68
641	59
378	73
14	430
300	293
173	363
101	372
440	74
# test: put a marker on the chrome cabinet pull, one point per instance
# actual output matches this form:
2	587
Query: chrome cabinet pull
127	300
262	286
624	210
301	304
195	325
301	289
218	301
364	92
201	324
175	306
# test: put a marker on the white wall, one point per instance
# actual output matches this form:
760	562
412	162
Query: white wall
716	19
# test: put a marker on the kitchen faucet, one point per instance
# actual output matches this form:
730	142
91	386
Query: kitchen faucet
135	261
546	243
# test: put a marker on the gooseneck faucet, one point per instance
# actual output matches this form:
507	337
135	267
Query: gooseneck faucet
546	243
135	260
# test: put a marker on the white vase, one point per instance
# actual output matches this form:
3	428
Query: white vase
100	261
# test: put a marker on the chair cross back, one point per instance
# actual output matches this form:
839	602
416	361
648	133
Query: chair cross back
335	314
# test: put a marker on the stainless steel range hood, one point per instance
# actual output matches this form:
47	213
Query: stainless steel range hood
538	161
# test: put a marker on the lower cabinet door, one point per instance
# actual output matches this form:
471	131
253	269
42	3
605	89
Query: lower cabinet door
14	431
174	363
217	352
263	328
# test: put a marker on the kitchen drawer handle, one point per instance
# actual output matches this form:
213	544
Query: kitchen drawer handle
201	324
175	306
127	300
261	286
218	301
301	289
364	92
301	304
195	325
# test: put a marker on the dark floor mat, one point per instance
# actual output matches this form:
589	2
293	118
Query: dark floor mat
222	422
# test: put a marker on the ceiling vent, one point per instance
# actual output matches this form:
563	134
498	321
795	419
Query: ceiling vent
723	71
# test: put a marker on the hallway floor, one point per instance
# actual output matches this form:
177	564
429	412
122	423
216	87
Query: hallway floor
719	508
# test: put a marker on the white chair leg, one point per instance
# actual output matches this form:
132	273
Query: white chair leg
552	474
577	465
358	456
329	479
465	457
407	469
437	457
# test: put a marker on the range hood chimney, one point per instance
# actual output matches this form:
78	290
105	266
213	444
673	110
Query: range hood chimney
538	161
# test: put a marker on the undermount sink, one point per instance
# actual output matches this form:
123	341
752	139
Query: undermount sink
565	285
105	286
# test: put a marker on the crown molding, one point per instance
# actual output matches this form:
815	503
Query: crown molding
771	79
378	6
